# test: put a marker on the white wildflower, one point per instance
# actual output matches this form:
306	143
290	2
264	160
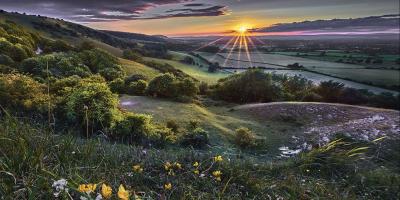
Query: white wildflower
60	186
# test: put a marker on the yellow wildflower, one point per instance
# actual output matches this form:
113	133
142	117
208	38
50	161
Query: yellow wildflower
137	168
197	172
122	193
168	186
106	191
167	166
87	188
218	159
196	164
178	165
217	173
218	178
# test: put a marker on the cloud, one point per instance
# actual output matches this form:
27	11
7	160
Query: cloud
107	10
195	4
366	24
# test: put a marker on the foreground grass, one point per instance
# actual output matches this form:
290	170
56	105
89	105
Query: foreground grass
218	120
32	159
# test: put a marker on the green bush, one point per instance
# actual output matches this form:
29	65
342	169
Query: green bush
117	86
132	55
163	86
197	138
22	93
137	88
94	94
134	78
250	86
187	87
135	128
244	138
60	65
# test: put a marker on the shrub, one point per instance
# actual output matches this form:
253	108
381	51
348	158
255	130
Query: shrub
203	88
244	137
60	65
187	87
132	55
312	97
173	125
135	128
93	93
193	124
329	90
134	78
163	86
137	88
251	86
22	93
117	86
352	96
197	138
6	60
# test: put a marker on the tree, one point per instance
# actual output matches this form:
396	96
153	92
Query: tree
188	60
213	67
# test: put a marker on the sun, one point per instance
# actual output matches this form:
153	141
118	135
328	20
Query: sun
243	28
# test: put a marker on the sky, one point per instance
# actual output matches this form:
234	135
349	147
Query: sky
197	17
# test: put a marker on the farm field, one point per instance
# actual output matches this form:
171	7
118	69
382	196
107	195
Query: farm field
196	72
389	61
358	73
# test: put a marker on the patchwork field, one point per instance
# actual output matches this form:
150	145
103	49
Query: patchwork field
358	73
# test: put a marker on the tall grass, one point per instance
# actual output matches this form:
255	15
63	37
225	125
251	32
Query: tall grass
31	160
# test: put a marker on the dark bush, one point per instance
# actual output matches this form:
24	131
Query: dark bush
250	86
173	125
117	86
197	138
137	88
330	90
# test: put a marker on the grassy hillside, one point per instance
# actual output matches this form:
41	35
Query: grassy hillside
196	72
132	67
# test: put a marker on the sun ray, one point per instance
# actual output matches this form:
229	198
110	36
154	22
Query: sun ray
230	52
240	51
223	48
247	50
256	49
208	44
